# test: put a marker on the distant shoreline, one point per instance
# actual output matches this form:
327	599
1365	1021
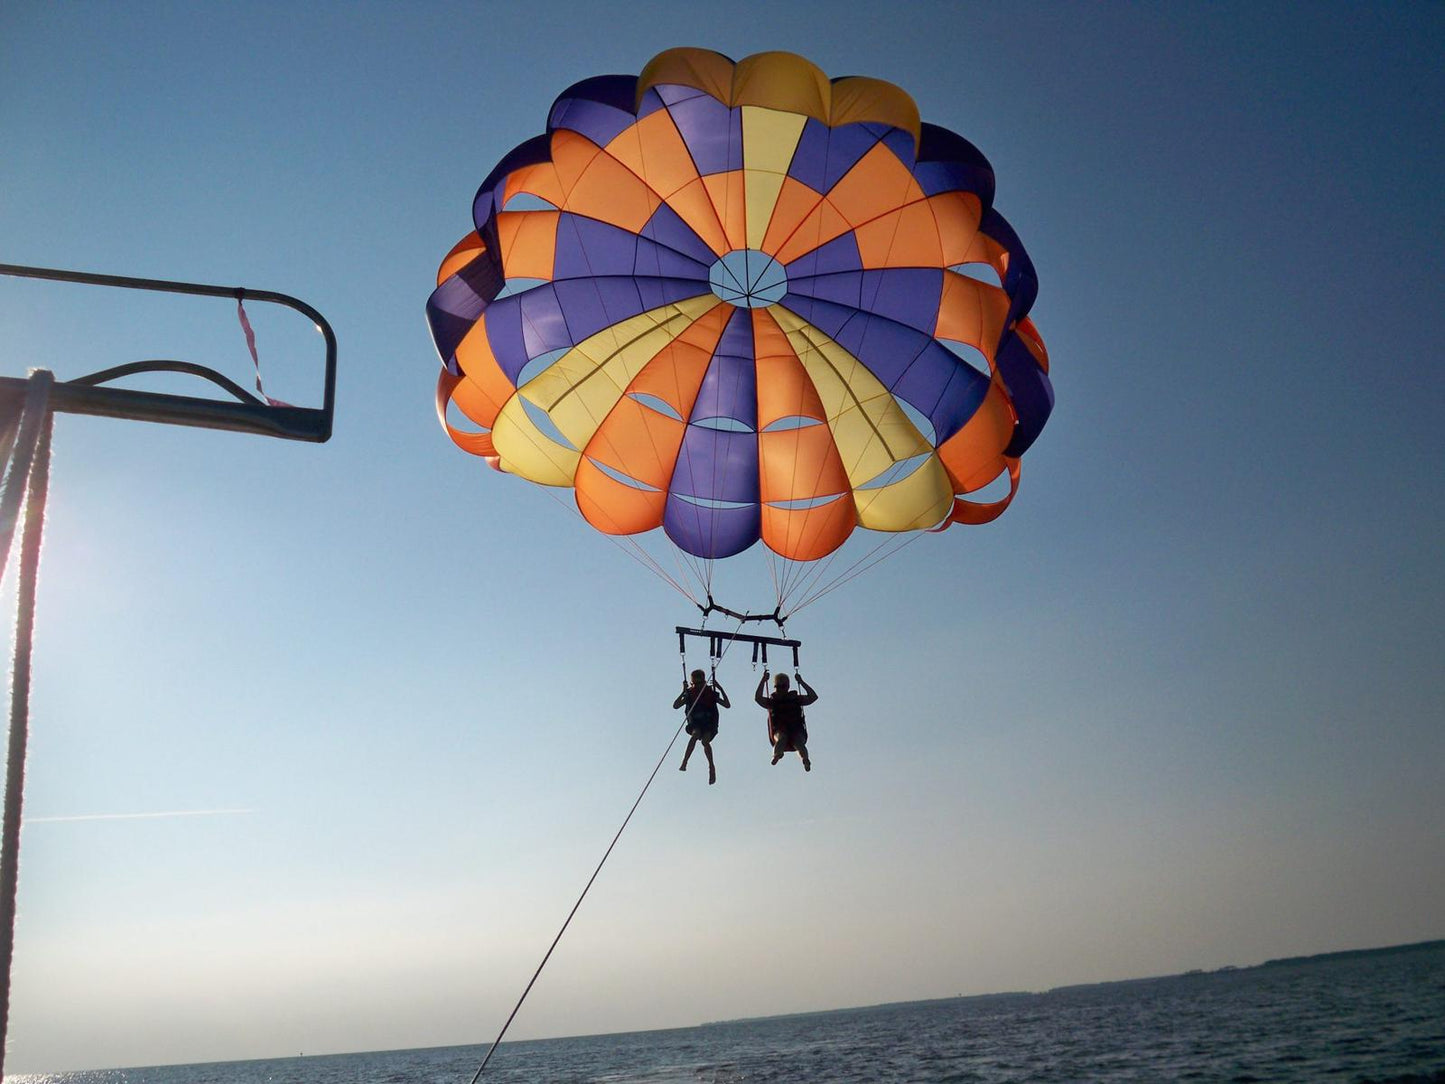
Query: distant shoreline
1283	961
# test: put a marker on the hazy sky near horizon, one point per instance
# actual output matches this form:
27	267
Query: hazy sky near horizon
1180	707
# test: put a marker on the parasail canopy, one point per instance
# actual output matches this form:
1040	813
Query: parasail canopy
742	302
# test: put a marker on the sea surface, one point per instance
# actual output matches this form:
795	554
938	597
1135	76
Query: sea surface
1372	1017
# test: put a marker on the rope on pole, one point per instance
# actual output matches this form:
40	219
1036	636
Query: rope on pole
29	476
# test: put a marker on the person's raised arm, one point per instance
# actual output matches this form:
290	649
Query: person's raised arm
681	697
758	696
722	695
809	693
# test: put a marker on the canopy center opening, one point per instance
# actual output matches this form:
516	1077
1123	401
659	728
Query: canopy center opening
748	278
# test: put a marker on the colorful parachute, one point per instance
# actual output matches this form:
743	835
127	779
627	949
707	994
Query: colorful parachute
738	301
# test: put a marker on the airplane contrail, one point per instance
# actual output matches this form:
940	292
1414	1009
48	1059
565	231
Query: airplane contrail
138	816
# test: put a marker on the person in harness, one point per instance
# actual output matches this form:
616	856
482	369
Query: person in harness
787	727
702	699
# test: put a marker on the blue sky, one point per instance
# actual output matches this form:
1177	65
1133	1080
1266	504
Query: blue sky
1180	707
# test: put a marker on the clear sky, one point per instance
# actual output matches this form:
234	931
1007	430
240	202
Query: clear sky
1180	707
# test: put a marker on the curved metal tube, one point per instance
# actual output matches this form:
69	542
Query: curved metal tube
166	365
82	397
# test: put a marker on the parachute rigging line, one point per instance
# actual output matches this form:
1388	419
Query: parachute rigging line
854	570
605	855
629	546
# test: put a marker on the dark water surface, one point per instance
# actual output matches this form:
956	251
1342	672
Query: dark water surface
1355	1018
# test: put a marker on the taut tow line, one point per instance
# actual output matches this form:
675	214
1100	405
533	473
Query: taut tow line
660	762
721	651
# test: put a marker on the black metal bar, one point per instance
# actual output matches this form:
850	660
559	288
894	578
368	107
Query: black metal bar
291	423
776	617
747	638
166	365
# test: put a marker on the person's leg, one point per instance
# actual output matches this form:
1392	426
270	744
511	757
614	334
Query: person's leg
803	752
691	744
711	767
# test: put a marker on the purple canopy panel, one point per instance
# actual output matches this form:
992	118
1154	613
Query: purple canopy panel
458	303
908	295
827	316
911	364
544	325
839	287
905	295
717	465
650	104
898	141
730	387
657	292
668	229
947	161
824	154
488	200
839	254
504	334
1030	389
598	108
943	388
586	247
1021	283
595	303
672	93
711	532
659	261
917	369
712	132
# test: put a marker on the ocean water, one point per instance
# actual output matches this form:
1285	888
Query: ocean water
1376	1018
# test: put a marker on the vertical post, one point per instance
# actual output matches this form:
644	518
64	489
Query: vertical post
29	476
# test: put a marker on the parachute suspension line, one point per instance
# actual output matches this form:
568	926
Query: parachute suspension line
813	585
687	565
588	887
636	552
805	578
806	583
854	570
633	548
824	579
706	567
690	565
772	562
